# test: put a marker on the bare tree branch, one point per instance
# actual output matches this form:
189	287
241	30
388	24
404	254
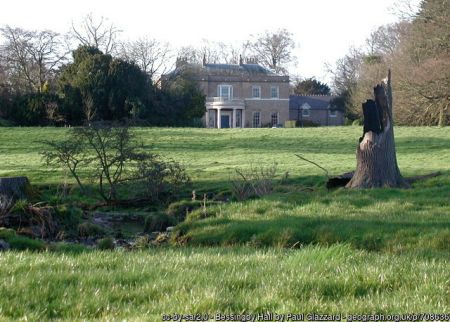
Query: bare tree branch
96	33
32	57
151	55
273	49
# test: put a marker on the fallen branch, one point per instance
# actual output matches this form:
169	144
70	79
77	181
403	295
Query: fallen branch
312	162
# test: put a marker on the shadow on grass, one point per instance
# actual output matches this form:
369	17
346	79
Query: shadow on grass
391	220
370	235
386	220
304	189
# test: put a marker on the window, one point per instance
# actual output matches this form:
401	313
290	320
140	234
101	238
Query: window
256	91
225	92
238	118
305	109
333	113
274	92
256	119
274	118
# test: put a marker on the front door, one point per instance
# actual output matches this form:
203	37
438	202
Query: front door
225	121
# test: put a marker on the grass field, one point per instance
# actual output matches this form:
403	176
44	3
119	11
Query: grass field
142	286
355	251
210	155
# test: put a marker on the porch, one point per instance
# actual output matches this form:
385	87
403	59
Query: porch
225	113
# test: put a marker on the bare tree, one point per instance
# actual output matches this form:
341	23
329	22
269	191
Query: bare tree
417	49
386	39
212	52
273	49
230	54
346	71
31	57
344	80
190	54
406	10
98	33
152	56
424	66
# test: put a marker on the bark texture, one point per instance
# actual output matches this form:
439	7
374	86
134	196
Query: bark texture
375	155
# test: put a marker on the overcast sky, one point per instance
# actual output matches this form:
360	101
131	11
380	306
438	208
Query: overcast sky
322	29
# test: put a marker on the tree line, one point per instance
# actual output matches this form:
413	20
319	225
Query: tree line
88	74
417	49
44	81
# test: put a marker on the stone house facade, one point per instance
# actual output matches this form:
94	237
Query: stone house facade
314	109
240	95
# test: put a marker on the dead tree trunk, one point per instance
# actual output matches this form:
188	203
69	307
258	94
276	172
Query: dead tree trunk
375	155
15	187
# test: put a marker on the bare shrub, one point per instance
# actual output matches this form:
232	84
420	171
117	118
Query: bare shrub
43	217
6	204
160	179
256	181
111	156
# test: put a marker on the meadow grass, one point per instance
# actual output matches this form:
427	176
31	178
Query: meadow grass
390	220
141	286
380	250
210	155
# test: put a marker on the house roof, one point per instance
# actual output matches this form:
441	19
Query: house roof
240	70
315	102
250	69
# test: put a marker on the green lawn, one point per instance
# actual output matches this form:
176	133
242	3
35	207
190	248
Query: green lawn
300	249
142	286
210	155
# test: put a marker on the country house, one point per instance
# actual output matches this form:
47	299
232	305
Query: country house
239	95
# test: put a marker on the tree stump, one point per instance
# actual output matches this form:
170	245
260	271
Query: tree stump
375	155
15	187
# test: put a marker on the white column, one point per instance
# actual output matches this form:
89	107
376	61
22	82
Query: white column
243	118
234	118
218	119
207	119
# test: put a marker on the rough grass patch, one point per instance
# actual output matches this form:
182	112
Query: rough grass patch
68	248
24	243
106	243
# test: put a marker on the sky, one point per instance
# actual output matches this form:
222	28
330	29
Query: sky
323	30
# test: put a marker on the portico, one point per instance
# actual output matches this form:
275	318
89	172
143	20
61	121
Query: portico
223	113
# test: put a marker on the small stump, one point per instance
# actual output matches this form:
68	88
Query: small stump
15	188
